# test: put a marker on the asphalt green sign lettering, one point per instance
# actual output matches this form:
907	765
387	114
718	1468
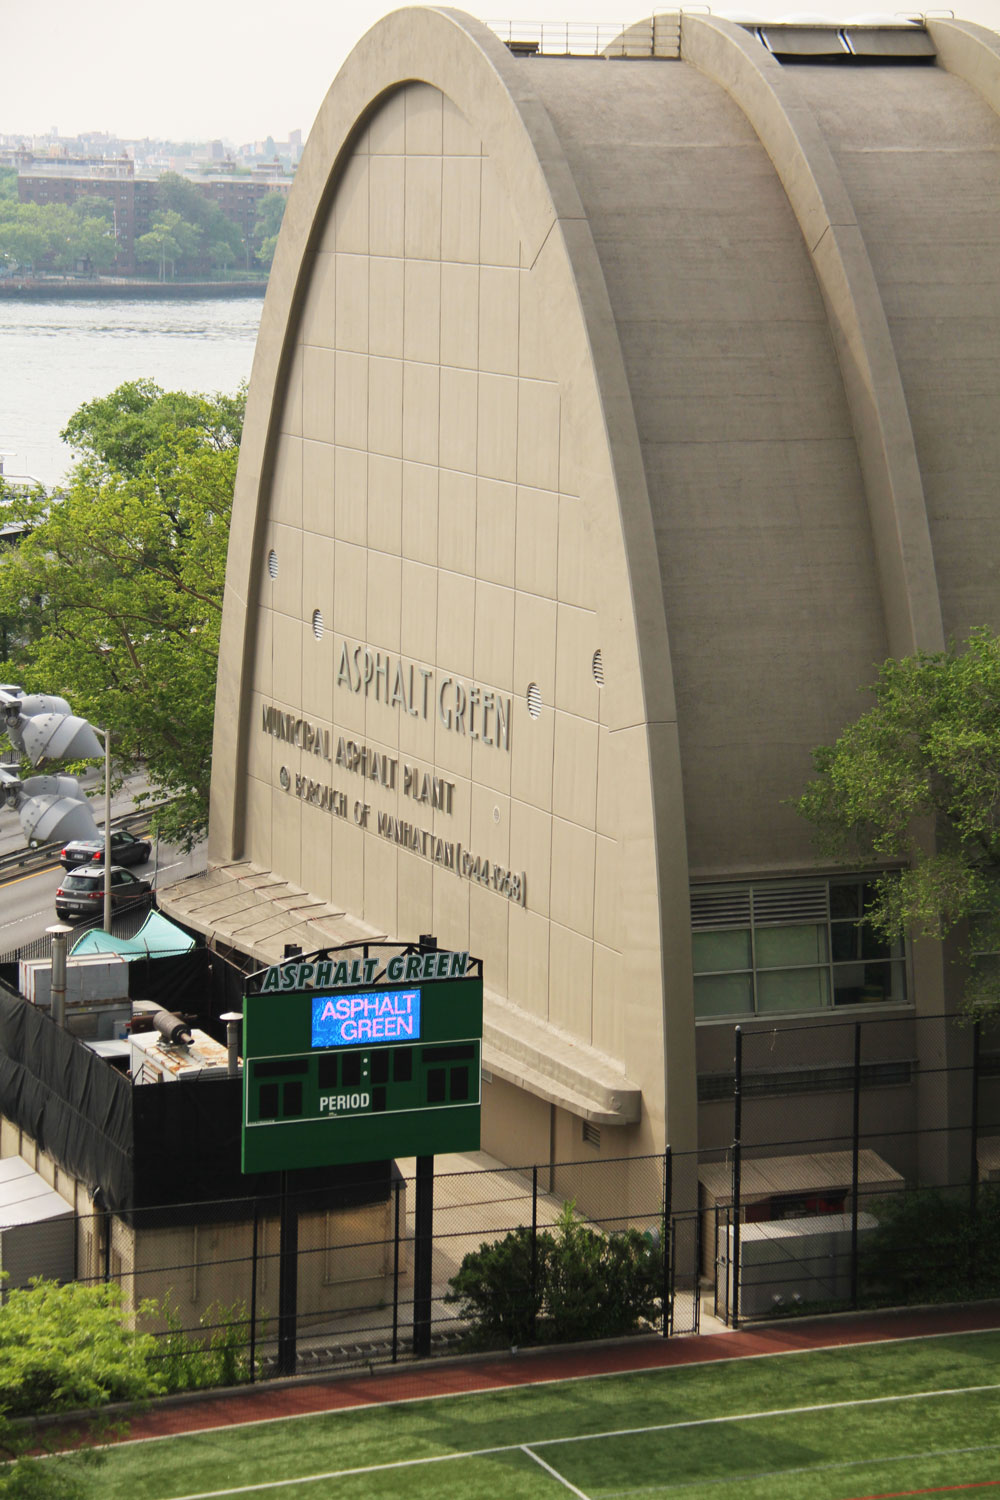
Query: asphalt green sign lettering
361	1075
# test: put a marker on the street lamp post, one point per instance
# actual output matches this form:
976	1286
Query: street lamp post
106	736
42	728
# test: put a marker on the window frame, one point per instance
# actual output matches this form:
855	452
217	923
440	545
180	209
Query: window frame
753	906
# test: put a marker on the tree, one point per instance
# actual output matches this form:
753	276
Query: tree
207	224
54	237
93	206
63	1348
222	255
117	589
270	212
915	783
169	239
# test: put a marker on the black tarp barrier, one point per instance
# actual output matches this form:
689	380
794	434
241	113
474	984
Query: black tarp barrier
177	982
161	1152
187	1157
69	1101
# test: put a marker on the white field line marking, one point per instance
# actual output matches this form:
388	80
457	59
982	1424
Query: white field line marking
847	1463
493	1390
779	1411
400	1463
586	1437
554	1472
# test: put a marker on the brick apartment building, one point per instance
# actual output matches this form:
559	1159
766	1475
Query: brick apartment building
134	199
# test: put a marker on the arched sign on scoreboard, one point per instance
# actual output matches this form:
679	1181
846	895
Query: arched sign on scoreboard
344	1063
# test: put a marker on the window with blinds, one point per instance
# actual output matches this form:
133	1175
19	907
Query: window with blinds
779	947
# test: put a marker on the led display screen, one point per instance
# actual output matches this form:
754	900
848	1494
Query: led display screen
380	1016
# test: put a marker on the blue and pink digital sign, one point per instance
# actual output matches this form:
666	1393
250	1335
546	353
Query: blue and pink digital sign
382	1016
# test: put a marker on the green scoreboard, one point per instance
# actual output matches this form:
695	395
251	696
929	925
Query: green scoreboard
361	1065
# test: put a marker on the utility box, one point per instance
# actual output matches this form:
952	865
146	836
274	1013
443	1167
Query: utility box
154	1060
89	981
37	1228
790	1262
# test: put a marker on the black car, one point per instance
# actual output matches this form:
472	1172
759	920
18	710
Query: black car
82	891
126	849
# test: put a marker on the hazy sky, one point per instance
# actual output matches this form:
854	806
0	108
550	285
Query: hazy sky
200	69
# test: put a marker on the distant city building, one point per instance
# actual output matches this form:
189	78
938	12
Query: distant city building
239	196
65	178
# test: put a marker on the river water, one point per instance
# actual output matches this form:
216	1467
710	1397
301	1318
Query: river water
56	355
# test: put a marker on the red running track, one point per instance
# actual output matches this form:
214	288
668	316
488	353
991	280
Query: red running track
292	1398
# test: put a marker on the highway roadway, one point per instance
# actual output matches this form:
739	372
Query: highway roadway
92	782
27	900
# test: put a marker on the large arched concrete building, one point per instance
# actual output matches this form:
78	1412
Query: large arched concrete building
611	418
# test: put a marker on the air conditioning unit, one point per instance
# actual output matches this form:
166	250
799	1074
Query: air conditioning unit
787	1262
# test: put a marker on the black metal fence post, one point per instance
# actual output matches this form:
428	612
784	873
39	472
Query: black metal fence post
974	1126
855	1156
666	1244
423	1249
734	1256
288	1268
395	1277
534	1251
253	1297
974	1164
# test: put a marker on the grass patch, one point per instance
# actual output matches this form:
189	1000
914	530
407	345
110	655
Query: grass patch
742	1421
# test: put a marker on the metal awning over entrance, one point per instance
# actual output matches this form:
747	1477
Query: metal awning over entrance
254	911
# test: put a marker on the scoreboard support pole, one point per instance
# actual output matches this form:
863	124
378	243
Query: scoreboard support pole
288	1276
423	1245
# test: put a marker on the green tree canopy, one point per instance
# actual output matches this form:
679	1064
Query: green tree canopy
270	212
64	1348
915	783
94	206
206	225
53	237
117	589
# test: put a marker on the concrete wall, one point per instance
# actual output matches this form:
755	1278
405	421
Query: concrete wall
687	363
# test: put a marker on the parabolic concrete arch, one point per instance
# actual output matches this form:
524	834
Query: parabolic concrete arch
611	417
574	449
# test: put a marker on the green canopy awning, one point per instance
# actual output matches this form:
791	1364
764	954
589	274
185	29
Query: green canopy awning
156	938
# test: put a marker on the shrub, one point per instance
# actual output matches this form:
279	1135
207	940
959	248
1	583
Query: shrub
187	1363
600	1286
65	1347
499	1288
930	1246
586	1285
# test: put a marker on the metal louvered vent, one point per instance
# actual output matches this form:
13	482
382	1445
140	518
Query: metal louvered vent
534	697
726	908
777	1082
317	624
597	666
781	904
272	563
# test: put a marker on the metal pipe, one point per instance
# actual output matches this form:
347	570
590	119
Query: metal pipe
855	1159
232	1019
107	828
734	1267
58	931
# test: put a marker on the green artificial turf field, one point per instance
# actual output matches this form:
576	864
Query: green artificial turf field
908	1418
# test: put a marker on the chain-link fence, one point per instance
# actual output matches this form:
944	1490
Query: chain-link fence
252	1287
843	1164
846	1142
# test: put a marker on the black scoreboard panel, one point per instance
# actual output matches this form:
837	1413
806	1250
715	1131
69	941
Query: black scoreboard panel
386	1078
313	1105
